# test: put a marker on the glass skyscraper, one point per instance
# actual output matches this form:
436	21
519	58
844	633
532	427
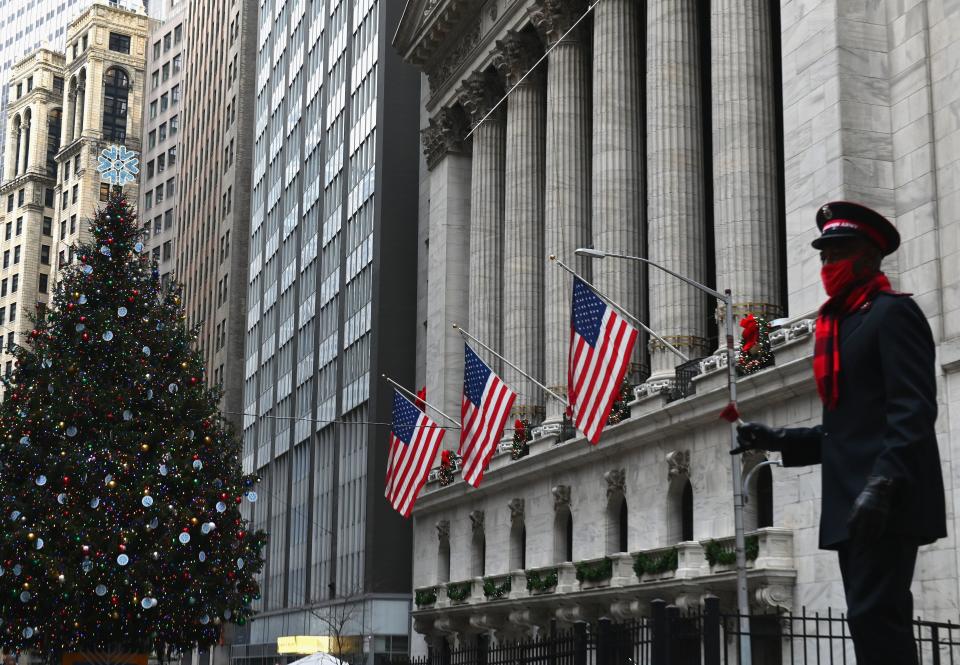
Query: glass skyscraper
330	307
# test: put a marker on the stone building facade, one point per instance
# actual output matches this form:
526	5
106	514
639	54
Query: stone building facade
162	110
705	138
64	109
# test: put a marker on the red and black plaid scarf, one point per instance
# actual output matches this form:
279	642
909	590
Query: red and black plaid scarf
826	352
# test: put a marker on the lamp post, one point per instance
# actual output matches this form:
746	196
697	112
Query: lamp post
743	605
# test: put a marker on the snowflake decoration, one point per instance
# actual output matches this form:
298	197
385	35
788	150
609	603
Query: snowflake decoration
117	165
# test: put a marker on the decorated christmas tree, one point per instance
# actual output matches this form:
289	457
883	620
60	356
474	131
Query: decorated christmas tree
120	483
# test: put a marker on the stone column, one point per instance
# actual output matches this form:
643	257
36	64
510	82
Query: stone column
38	143
567	196
675	213
617	194
80	111
447	257
485	320
25	131
10	154
746	198
523	251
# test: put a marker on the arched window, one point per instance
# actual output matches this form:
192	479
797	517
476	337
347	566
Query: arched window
764	497
563	535
27	117
54	121
116	88
617	524
443	551
680	510
479	553
17	123
518	545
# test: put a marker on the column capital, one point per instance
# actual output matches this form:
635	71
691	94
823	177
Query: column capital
478	94
515	54
443	135
553	18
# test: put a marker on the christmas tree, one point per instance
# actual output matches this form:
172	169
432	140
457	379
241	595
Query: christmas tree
120	483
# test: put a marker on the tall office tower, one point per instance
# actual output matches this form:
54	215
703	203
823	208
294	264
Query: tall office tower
213	210
28	26
162	110
64	110
332	296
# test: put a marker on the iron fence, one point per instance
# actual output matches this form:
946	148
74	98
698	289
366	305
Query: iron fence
702	637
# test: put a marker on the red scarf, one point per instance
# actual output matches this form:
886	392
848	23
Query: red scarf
826	352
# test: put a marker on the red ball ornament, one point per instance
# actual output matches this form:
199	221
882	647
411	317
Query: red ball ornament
131	299
241	535
83	319
123	548
70	306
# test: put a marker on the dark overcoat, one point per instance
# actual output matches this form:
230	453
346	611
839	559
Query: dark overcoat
884	423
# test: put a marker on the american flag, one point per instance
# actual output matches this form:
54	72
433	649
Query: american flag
414	442
486	404
601	343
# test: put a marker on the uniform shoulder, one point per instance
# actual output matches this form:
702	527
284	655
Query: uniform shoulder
897	305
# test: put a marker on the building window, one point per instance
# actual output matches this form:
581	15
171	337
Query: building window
158	194
115	93
3	288
58	84
19	229
156	49
171	189
165	71
48	197
172	155
563	535
10	203
163	131
164	102
75	193
8	231
21	197
13	312
63	229
174	125
47	226
178	34
65	200
518	544
175	93
66	170
54	118
152	139
167	42
148	200
443	553
155	79
167	250
150	168
479	548
73	223
10	341
168	219
153	109
161	163
29	83
15	283
42	286
16	255
45	255
177	63
104	191
119	43
6	258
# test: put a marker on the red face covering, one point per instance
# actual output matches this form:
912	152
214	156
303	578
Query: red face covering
837	276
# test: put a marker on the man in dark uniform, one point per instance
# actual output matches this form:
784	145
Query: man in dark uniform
882	484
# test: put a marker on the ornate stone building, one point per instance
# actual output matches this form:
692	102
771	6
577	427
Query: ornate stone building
703	137
64	109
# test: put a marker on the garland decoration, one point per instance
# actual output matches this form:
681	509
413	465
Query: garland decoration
448	463
493	590
755	353
521	439
425	597
541	580
595	571
620	410
717	554
654	564
459	592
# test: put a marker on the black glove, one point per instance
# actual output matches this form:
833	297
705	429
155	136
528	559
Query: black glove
756	436
868	517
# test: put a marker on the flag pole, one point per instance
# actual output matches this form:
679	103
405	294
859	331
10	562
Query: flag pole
471	337
671	347
418	399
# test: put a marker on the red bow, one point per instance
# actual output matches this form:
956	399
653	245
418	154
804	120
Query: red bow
445	459
751	332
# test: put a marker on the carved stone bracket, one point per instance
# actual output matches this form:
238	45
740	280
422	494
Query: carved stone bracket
616	482
516	511
515	54
443	530
561	496
552	19
479	93
477	522
776	596
678	464
444	135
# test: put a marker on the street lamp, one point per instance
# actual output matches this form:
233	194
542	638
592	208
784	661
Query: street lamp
743	605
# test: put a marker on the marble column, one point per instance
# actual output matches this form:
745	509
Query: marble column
447	256
485	320
567	195
10	154
746	197
617	187
676	219
523	250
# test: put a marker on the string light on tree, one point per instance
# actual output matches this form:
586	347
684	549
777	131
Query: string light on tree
120	483
754	352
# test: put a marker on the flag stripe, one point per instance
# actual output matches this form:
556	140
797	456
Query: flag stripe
410	459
